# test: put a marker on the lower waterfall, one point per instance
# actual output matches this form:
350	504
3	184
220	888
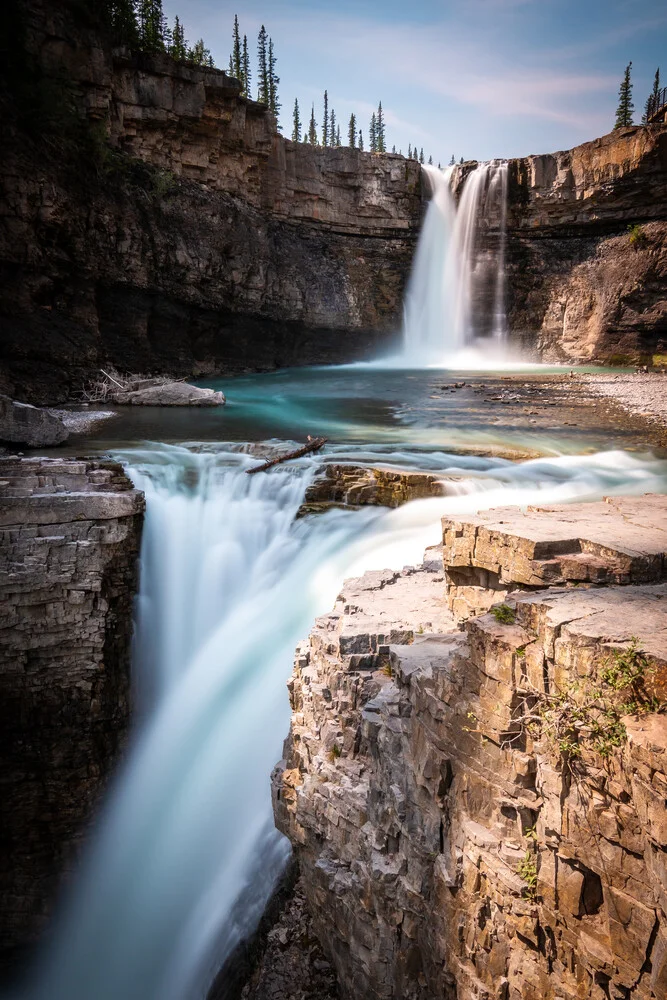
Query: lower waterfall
230	582
456	294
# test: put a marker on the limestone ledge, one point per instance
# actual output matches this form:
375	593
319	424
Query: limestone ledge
69	537
413	799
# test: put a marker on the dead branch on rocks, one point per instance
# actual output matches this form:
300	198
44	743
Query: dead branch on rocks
313	444
104	390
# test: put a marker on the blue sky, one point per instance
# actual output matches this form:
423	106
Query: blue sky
477	78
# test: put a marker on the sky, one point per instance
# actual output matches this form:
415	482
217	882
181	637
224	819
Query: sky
478	79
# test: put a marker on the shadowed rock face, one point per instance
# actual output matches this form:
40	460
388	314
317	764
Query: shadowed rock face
201	242
70	536
448	848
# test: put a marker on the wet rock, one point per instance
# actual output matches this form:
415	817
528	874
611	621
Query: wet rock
354	486
28	425
160	393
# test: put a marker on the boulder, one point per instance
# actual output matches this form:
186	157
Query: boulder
158	393
21	423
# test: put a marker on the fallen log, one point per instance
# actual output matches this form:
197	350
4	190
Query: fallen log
312	444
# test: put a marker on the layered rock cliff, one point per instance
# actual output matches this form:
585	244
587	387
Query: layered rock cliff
478	809
179	232
69	537
582	286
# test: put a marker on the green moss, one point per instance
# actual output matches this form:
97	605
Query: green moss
504	614
638	237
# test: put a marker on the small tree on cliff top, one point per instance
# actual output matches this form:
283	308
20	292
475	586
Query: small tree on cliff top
325	121
245	63
296	123
236	50
380	136
352	132
312	128
263	67
274	80
373	134
625	106
652	99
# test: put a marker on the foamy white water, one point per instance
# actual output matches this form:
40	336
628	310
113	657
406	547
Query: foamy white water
440	325
186	831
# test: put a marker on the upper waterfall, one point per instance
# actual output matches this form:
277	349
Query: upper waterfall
456	294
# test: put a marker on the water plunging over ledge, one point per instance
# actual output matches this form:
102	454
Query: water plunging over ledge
230	582
456	295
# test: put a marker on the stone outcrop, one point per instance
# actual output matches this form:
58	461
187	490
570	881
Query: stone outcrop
154	392
70	543
181	234
21	423
356	486
448	845
581	286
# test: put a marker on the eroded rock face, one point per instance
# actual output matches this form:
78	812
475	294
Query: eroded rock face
355	485
21	423
204	243
579	286
70	533
447	848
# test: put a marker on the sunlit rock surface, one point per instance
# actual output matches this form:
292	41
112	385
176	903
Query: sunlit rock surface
69	538
446	849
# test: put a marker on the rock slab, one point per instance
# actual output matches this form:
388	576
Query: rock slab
69	544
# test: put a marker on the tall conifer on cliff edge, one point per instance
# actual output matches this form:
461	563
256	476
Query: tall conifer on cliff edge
625	105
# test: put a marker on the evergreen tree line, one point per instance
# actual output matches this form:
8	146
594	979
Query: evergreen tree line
330	134
625	109
267	78
142	25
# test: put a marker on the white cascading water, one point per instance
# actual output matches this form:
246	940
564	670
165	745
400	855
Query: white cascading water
184	854
439	306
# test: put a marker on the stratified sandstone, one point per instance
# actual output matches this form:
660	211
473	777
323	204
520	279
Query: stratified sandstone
448	848
355	485
69	537
579	287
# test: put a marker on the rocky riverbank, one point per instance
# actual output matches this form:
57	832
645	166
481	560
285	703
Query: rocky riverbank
477	808
643	394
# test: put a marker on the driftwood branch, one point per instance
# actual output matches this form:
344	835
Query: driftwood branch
313	444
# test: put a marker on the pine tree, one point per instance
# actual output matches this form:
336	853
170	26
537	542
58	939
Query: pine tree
179	46
263	68
274	80
361	140
230	70
461	160
199	55
653	97
312	128
452	161
121	20
421	155
380	137
152	25
430	161
332	127
245	64
236	50
338	142
296	123
393	149
625	105
352	132
373	134
325	121
409	151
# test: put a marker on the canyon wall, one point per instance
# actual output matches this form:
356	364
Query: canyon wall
477	800
581	285
69	537
177	231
